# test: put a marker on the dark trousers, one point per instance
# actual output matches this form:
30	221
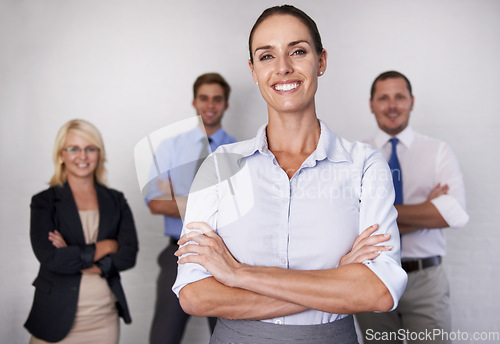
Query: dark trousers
169	320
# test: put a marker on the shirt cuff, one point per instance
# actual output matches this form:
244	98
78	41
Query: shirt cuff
391	274
189	273
87	256
107	267
451	211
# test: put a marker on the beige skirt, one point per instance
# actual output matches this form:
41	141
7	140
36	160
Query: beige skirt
90	330
96	319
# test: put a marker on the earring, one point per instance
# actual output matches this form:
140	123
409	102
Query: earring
321	73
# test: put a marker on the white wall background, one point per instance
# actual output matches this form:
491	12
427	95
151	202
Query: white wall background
128	67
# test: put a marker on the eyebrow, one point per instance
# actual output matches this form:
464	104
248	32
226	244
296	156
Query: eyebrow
291	44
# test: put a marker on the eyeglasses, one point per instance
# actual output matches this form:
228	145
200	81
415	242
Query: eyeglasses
75	150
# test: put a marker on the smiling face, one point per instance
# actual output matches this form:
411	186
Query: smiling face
80	164
285	64
391	104
210	103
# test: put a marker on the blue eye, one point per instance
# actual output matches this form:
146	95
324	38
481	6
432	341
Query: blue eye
72	149
91	149
77	150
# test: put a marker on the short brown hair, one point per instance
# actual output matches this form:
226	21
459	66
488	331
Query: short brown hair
392	74
211	78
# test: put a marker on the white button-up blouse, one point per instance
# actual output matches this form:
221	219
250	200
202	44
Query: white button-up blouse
307	222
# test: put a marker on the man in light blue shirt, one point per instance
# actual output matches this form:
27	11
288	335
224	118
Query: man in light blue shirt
181	157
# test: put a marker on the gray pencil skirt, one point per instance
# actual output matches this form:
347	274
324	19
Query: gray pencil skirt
258	332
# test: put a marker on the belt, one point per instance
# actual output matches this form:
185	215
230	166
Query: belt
173	241
421	264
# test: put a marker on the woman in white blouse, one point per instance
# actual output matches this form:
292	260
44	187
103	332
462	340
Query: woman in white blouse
284	222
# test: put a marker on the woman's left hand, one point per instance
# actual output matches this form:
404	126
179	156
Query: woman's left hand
366	247
209	251
92	270
57	239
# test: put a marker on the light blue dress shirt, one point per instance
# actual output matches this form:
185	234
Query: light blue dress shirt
178	156
307	222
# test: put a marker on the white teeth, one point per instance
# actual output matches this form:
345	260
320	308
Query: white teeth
286	87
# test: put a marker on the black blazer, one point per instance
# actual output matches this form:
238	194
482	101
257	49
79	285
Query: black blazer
58	282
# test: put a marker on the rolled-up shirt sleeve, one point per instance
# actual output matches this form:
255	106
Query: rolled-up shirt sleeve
451	211
202	206
376	207
163	156
452	205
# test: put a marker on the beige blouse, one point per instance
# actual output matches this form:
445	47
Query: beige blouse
95	296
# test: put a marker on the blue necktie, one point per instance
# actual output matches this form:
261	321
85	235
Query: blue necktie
205	151
397	176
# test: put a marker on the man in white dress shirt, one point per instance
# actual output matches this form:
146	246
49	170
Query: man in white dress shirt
433	198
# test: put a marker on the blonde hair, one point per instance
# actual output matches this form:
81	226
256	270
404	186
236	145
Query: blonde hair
88	131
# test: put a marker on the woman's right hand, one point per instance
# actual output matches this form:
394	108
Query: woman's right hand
209	250
366	247
57	239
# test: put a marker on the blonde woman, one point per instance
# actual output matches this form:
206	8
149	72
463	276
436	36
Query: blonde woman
83	235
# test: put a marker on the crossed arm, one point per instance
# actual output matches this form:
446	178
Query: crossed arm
102	249
239	291
422	215
173	206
